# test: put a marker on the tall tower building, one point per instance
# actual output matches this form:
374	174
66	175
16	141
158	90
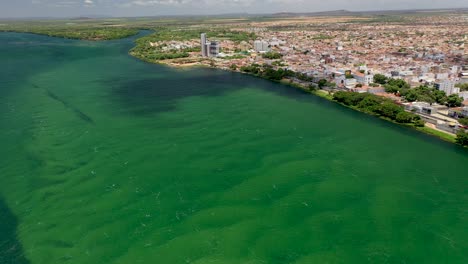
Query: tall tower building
204	50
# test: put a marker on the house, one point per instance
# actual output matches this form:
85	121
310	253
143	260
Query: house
421	108
363	78
458	112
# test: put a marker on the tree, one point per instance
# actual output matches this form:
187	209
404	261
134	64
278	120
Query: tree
440	97
404	117
454	100
389	109
380	79
411	96
233	67
272	55
322	83
463	121
462	86
312	87
419	122
398	82
462	138
370	103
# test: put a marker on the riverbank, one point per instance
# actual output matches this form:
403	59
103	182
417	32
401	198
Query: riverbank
187	63
327	95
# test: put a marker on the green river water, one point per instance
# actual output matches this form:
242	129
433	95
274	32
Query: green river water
107	159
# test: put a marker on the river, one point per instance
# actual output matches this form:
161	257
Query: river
107	159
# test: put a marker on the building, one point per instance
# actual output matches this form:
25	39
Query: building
261	46
447	86
464	95
464	77
204	51
421	108
364	78
342	81
213	49
458	112
209	48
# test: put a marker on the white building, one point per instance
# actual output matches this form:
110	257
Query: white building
208	48
349	83
464	95
204	51
363	78
447	86
261	46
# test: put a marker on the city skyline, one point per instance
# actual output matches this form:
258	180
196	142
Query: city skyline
133	8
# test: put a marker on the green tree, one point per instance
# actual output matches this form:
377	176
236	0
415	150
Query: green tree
272	55
418	122
370	103
440	97
462	138
454	100
411	96
462	86
322	83
389	109
233	67
463	121
312	87
404	117
380	79
398	82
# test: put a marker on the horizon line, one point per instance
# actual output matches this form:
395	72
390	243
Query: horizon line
103	16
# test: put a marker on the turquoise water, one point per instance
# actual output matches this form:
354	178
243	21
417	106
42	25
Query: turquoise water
106	159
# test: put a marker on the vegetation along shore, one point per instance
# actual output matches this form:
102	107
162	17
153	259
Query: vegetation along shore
176	42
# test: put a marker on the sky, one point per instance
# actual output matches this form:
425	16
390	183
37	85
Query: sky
118	8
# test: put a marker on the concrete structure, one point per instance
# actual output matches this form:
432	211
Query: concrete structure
421	108
464	95
213	49
348	83
261	46
458	112
204	51
208	48
447	86
363	78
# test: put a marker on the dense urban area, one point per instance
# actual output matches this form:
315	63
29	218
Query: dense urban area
410	69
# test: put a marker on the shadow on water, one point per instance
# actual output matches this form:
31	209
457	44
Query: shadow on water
11	251
155	95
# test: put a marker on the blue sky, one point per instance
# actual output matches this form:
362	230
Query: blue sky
64	8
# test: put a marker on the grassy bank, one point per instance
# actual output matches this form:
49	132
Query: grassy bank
437	133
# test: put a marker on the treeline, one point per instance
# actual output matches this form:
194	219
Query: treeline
272	55
462	138
268	72
145	51
106	33
377	105
422	93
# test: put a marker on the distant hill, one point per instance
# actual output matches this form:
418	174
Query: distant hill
376	12
324	13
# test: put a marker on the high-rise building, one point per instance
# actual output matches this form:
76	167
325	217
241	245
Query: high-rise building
448	86
214	49
209	48
204	50
261	45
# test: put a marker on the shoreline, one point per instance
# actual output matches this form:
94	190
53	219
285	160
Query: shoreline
319	93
